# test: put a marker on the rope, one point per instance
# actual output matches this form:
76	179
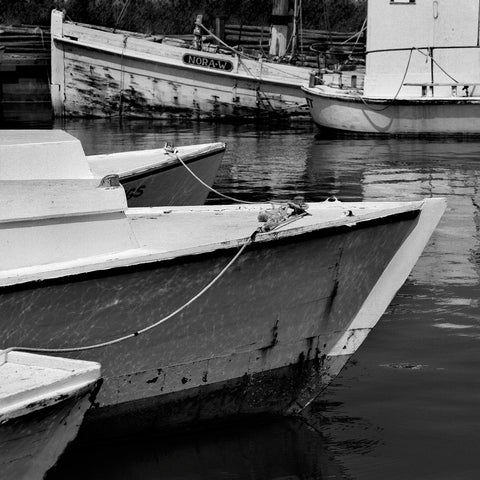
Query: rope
398	91
122	77
251	57
137	333
403	79
150	327
122	13
428	55
208	186
233	199
364	26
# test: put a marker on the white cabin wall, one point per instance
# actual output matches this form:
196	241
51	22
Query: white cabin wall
393	25
63	239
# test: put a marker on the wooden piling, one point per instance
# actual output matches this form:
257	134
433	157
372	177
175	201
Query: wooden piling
280	20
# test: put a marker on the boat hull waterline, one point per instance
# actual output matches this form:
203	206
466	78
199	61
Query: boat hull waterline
268	337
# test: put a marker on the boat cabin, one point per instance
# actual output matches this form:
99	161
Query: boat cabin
422	48
47	187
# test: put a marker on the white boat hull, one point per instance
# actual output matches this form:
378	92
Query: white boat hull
43	401
32	444
157	178
104	74
351	112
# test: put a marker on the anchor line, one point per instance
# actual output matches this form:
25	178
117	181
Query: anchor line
207	287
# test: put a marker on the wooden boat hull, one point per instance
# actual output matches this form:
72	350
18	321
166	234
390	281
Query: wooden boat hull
351	112
268	337
165	182
103	74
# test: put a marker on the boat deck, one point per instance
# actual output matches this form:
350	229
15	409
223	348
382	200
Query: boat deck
164	233
27	380
183	230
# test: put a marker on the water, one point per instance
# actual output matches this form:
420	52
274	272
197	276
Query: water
407	405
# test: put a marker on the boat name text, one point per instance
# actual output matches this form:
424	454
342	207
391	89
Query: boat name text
135	192
214	63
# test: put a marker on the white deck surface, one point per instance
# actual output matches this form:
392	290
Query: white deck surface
181	229
26	378
165	233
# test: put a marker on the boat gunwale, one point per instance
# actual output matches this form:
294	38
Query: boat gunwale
144	259
351	98
169	164
125	53
81	377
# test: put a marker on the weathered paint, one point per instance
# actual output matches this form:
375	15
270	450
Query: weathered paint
103	74
277	307
31	444
299	299
42	404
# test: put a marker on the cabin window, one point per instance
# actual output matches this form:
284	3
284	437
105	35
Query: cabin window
402	1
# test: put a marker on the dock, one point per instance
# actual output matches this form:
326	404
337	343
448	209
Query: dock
24	71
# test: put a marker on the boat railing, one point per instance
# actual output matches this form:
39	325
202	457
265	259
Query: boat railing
428	87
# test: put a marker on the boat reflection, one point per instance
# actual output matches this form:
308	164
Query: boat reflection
280	449
409	169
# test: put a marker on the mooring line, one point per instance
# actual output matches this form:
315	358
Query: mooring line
179	158
150	327
123	338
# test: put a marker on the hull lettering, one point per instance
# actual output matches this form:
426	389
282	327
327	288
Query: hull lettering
207	62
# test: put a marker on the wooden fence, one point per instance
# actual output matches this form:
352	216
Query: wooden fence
24	65
310	43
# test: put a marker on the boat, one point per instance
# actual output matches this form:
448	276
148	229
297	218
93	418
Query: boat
421	73
157	176
43	400
100	72
195	312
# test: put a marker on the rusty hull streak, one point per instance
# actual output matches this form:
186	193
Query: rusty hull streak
102	95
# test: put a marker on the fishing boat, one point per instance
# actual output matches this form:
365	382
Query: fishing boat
43	400
422	74
163	176
103	72
194	312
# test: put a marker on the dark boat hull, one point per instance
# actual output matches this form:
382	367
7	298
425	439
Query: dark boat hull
263	339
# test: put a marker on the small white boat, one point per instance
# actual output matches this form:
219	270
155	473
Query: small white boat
103	72
157	177
43	400
422	73
210	314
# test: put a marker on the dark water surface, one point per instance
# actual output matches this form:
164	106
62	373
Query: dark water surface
408	405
